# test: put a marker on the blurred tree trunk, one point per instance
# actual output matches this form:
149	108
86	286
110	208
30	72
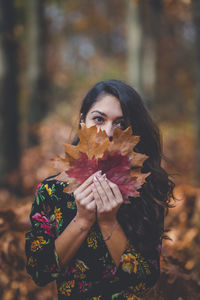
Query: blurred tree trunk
143	35
37	81
9	116
196	18
134	44
151	24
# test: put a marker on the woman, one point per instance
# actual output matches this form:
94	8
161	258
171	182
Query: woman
90	241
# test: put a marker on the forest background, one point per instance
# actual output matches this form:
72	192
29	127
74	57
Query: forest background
51	53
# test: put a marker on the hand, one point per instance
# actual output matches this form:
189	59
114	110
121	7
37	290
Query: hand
86	204
108	199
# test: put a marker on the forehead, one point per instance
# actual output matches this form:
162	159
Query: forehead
109	105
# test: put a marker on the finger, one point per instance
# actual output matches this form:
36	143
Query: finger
91	205
87	200
87	182
116	192
86	192
97	198
102	194
108	191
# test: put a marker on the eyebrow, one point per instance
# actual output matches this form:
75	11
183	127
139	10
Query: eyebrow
103	114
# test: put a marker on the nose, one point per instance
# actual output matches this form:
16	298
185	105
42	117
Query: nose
109	131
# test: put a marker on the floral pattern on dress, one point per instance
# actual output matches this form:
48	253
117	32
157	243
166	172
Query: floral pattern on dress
129	263
92	240
66	287
139	289
71	204
79	270
38	243
92	266
31	261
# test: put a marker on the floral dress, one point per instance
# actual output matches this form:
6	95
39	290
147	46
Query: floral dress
91	274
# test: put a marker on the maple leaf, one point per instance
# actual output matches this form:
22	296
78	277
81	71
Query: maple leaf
91	144
115	158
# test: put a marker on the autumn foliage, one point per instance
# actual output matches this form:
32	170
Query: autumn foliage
115	158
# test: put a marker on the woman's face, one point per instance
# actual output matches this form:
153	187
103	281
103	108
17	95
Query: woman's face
106	114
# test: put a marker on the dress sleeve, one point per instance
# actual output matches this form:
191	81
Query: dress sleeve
137	272
42	259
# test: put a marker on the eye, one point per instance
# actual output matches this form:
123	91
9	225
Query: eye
98	119
121	124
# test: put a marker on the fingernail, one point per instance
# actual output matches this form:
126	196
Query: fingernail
104	176
99	172
95	178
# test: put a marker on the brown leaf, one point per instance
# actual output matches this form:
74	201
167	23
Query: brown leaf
93	143
137	159
141	177
123	141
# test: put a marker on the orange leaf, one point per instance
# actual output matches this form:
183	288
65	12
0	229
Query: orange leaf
123	141
115	158
93	144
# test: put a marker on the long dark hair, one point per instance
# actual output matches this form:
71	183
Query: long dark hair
143	219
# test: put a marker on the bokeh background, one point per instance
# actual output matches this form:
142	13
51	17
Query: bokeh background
51	53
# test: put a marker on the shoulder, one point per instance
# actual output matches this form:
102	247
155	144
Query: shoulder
54	185
51	190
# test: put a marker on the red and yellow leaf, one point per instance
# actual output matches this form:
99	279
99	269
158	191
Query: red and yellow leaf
115	158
